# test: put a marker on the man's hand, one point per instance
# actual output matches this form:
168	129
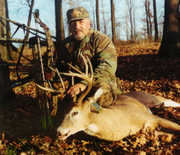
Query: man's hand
76	89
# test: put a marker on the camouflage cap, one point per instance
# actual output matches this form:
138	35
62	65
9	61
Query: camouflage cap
77	14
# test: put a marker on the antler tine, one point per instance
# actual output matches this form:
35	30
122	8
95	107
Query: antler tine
88	65
47	89
76	69
85	62
91	68
88	78
85	76
62	82
59	75
82	76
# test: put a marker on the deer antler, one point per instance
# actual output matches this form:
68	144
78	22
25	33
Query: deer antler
85	76
47	89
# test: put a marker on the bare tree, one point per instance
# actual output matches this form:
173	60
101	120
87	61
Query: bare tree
30	16
131	15
113	21
97	15
104	20
127	27
93	24
4	30
170	44
134	21
155	21
148	19
5	48
59	21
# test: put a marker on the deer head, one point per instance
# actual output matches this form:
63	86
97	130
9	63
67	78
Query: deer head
77	119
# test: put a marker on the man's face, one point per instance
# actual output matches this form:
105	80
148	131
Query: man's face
79	28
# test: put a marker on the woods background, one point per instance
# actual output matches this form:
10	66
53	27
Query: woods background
119	19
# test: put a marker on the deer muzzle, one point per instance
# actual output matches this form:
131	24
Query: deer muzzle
62	133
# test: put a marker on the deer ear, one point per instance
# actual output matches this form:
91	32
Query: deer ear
98	93
95	107
90	105
92	101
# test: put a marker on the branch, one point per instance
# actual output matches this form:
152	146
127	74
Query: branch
23	26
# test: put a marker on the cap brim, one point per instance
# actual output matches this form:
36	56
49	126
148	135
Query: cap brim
75	19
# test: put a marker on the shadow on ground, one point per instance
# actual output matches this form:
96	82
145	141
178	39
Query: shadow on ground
21	117
148	67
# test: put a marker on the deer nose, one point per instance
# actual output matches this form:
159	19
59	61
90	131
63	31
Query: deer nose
59	135
62	135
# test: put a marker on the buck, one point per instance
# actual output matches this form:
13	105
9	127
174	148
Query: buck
127	116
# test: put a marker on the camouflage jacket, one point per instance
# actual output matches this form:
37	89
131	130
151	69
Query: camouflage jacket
101	51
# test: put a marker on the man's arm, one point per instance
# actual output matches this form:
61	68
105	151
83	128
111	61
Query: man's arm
105	61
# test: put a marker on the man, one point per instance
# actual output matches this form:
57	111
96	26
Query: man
97	46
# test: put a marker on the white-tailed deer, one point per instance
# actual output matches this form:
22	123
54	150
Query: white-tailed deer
129	115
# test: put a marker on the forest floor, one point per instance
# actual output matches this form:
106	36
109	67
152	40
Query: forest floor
139	69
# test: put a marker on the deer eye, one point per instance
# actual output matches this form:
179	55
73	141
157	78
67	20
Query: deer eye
74	113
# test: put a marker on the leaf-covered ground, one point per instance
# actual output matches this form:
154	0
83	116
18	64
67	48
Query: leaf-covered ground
140	69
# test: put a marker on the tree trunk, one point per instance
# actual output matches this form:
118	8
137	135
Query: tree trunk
150	23
4	31
127	27
134	23
5	48
97	15
131	19
5	90
94	19
59	22
113	21
170	44
29	18
148	19
156	37
104	20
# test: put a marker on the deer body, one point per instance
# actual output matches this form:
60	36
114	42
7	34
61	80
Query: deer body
126	117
